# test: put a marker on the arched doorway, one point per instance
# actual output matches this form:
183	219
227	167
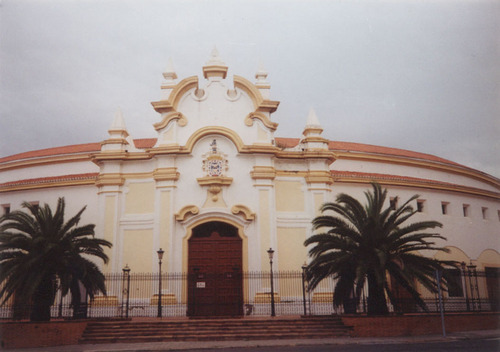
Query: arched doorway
215	285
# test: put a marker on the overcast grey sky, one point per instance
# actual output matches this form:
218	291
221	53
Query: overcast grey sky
417	75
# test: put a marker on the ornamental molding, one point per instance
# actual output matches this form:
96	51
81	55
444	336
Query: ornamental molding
186	211
166	174
249	120
112	179
263	172
171	116
244	211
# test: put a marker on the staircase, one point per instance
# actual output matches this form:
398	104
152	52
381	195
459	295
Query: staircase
213	330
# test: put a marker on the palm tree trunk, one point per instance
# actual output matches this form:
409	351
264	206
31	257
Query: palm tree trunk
377	303
43	299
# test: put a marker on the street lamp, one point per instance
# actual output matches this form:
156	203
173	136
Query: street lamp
304	268
270	252
160	257
126	273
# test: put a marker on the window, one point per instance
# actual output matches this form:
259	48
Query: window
465	208
393	203
6	209
444	207
484	211
454	279
420	205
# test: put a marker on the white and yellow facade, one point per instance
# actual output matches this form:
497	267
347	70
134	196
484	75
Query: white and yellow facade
216	158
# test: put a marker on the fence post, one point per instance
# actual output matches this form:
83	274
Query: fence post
471	284
304	267
438	279
464	274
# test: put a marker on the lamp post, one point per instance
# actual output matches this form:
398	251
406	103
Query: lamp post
270	252
464	276
304	268
160	257
126	273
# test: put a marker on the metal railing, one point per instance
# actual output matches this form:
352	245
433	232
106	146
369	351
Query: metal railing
137	295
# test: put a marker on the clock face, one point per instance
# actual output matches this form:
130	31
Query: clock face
215	167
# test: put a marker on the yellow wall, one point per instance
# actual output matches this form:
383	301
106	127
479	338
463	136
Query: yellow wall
109	226
318	202
138	250
488	258
291	251
140	198
289	196
264	226
165	234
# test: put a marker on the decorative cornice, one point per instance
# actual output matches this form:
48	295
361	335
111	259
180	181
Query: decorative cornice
45	160
182	214
205	131
429	164
245	211
263	172
253	92
216	181
174	115
215	70
162	106
122	141
114	156
166	174
319	177
263	118
177	93
395	180
49	182
315	139
112	179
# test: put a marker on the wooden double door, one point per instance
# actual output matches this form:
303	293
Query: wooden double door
215	284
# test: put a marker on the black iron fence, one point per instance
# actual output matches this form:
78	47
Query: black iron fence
138	295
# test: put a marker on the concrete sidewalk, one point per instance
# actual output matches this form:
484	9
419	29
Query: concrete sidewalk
200	345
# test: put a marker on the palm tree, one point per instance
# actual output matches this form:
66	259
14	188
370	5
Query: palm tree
39	251
371	243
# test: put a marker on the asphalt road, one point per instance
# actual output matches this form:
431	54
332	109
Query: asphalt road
476	345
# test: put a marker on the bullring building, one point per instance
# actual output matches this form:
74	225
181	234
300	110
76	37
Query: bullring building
216	189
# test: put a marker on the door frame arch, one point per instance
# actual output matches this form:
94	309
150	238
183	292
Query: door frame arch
199	220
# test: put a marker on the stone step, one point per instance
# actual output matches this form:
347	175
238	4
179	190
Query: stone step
218	329
219	337
268	330
253	326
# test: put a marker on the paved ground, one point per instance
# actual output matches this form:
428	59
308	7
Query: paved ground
200	345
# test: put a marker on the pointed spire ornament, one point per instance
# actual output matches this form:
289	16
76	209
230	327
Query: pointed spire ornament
118	140
312	133
312	119
169	73
118	123
215	68
261	75
215	58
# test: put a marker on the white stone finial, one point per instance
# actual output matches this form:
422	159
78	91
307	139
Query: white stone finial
312	119
215	69
118	140
169	73
118	122
261	74
312	134
215	59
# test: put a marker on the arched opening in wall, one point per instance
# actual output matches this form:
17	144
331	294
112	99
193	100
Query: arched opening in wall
215	285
